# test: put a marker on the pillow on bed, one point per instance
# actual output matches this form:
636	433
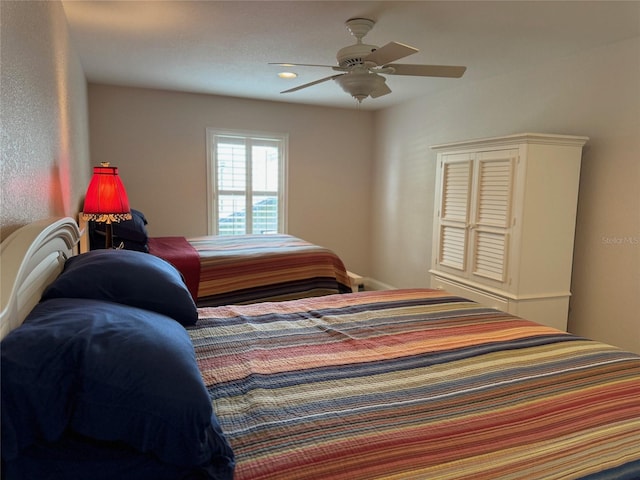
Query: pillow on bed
112	373
132	233
131	278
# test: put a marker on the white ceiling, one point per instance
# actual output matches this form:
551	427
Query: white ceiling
224	47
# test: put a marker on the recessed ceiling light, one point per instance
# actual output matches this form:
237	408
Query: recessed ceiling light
287	75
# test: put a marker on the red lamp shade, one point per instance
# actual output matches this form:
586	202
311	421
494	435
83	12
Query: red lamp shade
106	198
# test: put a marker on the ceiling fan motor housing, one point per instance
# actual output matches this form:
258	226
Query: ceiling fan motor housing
354	54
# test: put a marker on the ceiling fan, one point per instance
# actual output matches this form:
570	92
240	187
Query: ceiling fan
363	65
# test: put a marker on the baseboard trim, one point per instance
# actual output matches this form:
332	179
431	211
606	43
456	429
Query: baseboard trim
373	284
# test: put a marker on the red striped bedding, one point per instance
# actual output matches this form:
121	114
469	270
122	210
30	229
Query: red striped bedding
415	384
238	269
179	253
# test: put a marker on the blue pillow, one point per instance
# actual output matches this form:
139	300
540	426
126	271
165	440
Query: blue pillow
132	233
127	277
109	372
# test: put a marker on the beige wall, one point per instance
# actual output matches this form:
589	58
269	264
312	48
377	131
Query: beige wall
157	139
44	156
595	93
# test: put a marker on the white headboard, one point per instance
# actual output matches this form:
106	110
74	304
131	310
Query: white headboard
30	258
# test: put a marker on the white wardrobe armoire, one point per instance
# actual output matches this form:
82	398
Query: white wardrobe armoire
504	222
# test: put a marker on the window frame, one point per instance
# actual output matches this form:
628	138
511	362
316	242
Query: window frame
212	172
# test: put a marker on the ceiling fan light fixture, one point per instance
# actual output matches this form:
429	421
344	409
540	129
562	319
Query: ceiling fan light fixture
360	85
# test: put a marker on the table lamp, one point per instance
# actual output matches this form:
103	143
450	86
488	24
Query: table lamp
106	200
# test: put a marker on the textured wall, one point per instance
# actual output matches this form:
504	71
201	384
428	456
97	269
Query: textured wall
45	152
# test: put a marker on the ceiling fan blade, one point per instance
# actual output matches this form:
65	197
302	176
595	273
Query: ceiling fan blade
300	87
449	71
287	64
390	52
380	91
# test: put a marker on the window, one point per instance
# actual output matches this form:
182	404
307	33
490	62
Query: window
246	182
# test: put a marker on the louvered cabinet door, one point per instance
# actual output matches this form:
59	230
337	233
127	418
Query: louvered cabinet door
453	212
491	215
504	220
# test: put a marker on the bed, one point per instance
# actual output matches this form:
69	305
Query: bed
398	384
99	378
238	269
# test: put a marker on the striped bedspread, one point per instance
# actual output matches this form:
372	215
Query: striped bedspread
415	384
237	269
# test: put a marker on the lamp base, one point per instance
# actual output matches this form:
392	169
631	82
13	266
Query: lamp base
108	236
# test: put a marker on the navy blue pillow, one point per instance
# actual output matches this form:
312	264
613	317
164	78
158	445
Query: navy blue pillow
112	373
128	277
132	233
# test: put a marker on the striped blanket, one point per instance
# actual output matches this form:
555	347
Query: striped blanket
415	384
237	269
